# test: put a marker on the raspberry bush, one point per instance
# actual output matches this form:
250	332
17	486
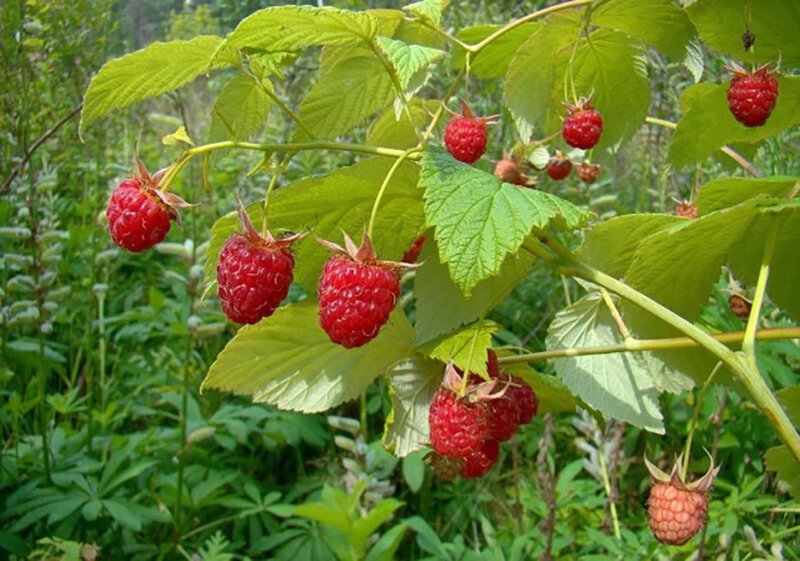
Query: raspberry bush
571	83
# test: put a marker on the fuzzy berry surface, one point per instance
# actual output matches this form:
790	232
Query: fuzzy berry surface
510	172
465	138
525	399
481	461
457	428
355	300
252	279
752	97
582	128
686	210
559	169
588	173
676	514
137	219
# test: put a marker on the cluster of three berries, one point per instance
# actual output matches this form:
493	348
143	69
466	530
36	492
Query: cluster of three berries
465	432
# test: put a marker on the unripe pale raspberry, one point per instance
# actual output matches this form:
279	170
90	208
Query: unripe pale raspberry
676	514
510	171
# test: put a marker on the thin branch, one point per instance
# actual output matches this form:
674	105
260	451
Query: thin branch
729	338
749	343
727	150
35	146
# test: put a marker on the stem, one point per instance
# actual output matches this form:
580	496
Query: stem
727	150
392	170
623	329
467	370
633	345
530	17
440	111
746	372
272	182
285	108
687	451
397	85
749	343
607	486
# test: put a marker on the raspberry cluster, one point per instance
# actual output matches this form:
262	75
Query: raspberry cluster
465	432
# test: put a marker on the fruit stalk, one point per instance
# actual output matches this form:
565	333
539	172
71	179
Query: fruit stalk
395	166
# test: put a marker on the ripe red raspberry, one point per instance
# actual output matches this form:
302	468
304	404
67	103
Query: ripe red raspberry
357	293
588	172
504	417
583	126
413	252
752	96
465	136
559	167
139	214
686	210
480	461
524	397
457	426
254	273
677	510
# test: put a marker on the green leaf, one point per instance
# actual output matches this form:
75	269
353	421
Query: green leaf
345	96
412	385
721	23
781	460
661	260
533	88
659	23
123	514
240	109
325	514
492	61
607	63
413	467
158	68
731	191
177	138
746	254
618	385
707	123
393	131
364	527
554	396
610	245
288	361
479	219
467	348
406	59
330	204
428	10
290	28
790	400
386	546
442	307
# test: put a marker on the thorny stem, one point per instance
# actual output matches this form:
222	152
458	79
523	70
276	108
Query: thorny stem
701	396
749	343
747	373
386	180
530	17
672	343
727	150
